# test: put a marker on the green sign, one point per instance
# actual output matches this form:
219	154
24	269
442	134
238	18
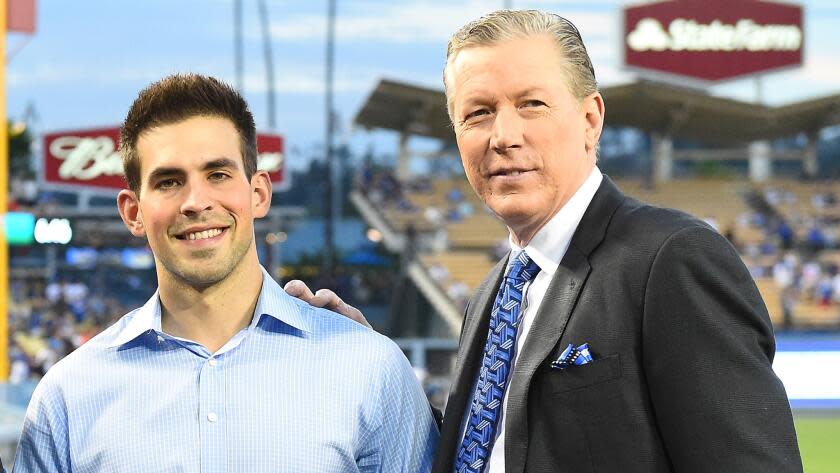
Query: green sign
19	228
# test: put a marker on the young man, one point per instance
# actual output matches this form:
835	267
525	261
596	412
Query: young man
220	370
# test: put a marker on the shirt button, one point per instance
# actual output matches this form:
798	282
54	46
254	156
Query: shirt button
212	417
212	361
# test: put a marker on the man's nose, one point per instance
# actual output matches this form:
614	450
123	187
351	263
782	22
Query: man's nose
197	199
508	129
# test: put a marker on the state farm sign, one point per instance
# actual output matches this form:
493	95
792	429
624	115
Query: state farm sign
91	158
713	39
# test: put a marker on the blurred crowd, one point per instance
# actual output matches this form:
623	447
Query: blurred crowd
48	320
790	235
358	286
382	188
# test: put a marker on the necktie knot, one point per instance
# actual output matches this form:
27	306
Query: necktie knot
521	267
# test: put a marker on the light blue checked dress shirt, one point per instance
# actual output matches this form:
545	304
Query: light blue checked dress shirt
299	390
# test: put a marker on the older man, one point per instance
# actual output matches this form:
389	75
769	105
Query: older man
616	336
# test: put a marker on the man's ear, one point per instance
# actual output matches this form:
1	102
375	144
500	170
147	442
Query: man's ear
260	194
593	109
129	207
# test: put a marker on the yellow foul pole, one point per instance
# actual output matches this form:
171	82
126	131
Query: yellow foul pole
4	192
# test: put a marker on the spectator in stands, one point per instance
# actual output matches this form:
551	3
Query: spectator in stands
783	274
433	215
41	320
364	176
453	216
821	200
638	318
773	196
835	287
19	371
815	239
55	291
438	273
220	367
824	290
785	233
454	195
810	277
405	205
465	209
389	185
422	185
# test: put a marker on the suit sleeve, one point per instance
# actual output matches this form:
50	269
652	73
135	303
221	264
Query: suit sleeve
708	346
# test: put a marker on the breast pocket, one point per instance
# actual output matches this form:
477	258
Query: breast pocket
582	376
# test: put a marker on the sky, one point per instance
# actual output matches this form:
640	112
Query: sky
88	59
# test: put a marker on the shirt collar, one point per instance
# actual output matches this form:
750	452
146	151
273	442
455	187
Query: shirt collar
273	301
550	243
142	320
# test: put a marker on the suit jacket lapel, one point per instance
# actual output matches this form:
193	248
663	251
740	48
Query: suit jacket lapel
553	316
470	350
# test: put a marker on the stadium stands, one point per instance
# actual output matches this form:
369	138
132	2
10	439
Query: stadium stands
456	240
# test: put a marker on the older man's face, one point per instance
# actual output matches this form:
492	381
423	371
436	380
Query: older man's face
527	144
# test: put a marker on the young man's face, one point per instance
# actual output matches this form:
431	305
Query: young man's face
196	206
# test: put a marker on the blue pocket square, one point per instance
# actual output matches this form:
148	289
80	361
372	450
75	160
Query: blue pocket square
572	356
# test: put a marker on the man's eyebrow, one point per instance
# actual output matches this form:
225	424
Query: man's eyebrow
164	172
532	91
219	164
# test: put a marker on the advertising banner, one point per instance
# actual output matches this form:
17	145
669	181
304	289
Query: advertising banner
91	159
713	40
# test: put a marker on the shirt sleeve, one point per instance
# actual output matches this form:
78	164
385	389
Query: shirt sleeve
406	436
44	442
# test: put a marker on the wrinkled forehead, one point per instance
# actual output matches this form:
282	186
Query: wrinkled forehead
521	58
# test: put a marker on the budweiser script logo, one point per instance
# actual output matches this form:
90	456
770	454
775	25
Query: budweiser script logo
87	158
688	35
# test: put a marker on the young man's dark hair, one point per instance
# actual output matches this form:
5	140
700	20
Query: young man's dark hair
177	98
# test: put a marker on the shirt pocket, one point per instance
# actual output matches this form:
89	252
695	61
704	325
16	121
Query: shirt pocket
583	376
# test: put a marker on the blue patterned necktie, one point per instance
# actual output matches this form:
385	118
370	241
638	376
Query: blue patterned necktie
486	409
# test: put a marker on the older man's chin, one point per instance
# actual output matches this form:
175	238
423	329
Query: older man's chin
513	209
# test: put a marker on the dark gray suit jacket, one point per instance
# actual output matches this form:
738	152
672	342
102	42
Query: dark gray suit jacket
683	345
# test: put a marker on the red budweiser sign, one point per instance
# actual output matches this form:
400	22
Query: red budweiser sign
91	158
713	39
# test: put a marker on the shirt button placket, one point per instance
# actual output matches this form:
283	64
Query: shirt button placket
211	415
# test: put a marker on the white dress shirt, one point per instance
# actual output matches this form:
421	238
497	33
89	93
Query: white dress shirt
547	249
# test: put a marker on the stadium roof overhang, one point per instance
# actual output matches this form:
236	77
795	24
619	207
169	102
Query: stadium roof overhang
648	106
406	108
